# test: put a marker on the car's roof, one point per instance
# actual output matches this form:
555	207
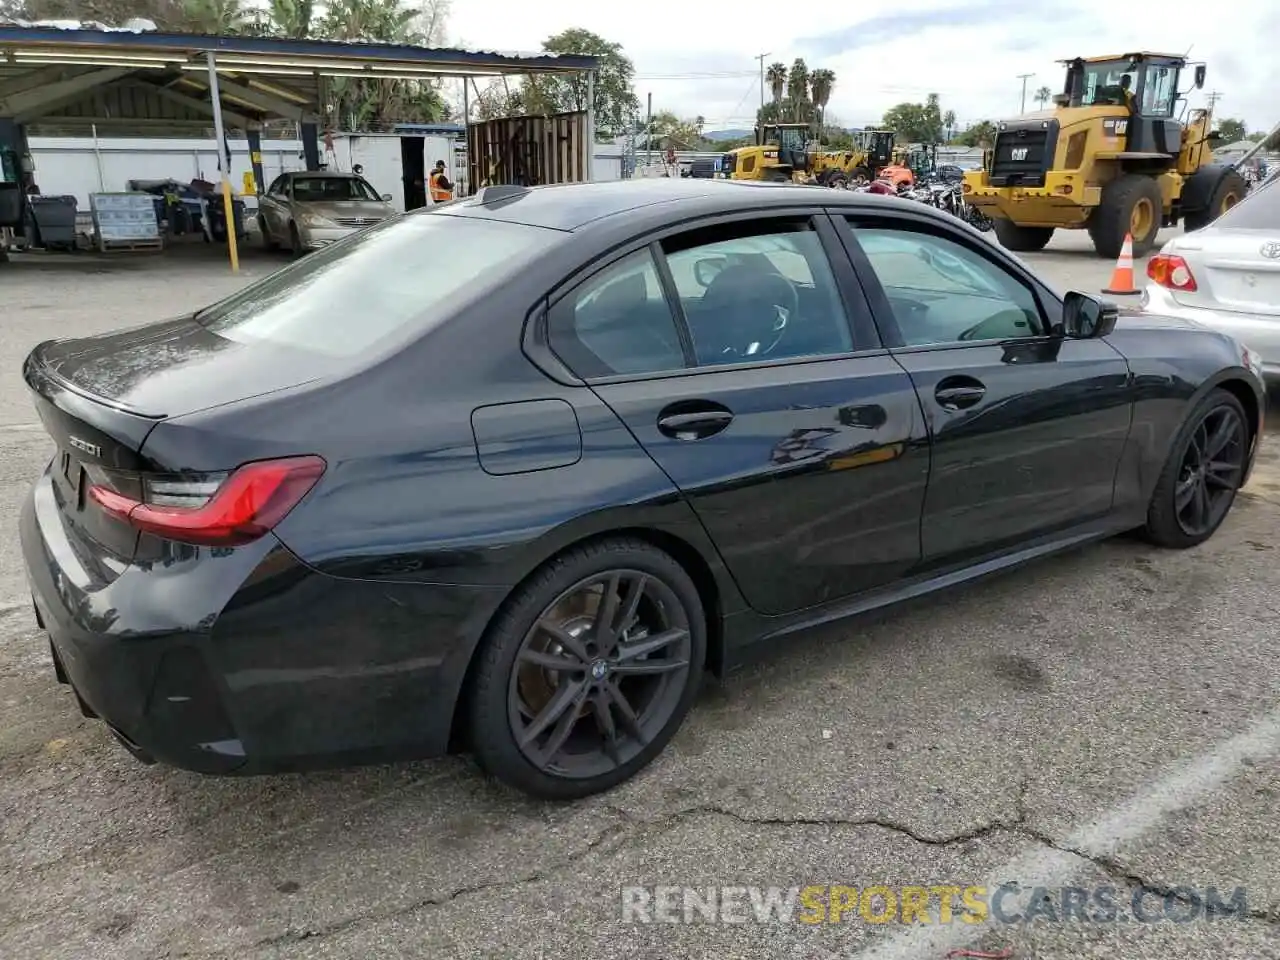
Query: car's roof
337	174
571	206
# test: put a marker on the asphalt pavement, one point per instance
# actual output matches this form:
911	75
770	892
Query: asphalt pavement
1098	728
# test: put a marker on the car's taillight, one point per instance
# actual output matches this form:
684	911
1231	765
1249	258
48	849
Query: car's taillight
1171	271
216	511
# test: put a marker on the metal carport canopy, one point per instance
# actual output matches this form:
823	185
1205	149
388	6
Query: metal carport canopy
43	69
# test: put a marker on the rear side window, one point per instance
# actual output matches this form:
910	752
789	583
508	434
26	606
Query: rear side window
617	322
1260	210
405	272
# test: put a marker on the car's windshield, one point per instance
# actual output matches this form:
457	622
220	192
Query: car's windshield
330	189
1260	210
407	272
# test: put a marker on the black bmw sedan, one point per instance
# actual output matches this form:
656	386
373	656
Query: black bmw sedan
509	475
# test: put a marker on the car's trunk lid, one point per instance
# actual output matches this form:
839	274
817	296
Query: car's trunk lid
99	398
1235	270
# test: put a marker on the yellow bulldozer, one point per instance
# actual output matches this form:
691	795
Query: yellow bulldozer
1111	158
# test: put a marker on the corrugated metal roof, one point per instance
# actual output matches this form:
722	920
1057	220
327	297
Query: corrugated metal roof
139	37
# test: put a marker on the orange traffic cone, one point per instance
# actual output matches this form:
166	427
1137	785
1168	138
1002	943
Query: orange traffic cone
1122	275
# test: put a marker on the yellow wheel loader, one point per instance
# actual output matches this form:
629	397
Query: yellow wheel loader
1110	158
780	153
872	151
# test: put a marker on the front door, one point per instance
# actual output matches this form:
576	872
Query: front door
1027	429
803	457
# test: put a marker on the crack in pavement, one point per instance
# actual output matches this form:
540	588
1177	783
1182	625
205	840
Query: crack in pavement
630	831
626	833
1117	871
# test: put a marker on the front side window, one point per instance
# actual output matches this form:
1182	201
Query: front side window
942	292
758	292
1106	83
346	298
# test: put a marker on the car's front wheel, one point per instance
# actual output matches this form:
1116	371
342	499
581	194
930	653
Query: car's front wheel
588	670
1204	471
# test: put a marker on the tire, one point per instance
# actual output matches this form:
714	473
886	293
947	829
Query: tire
1227	192
837	181
1022	239
503	680
1114	217
295	241
267	240
1166	526
863	172
777	176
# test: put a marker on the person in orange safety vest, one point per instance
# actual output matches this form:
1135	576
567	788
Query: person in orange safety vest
441	188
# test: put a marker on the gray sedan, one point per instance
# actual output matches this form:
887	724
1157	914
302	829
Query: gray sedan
1227	276
307	211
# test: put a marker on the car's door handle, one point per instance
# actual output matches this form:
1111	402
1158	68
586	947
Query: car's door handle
686	422
953	395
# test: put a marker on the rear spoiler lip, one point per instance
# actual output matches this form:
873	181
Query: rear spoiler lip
47	382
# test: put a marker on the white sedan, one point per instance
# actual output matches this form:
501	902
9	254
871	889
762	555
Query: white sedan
1227	276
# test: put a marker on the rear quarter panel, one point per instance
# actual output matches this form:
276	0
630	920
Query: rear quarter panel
1174	364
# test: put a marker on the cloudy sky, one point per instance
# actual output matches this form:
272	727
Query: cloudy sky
698	58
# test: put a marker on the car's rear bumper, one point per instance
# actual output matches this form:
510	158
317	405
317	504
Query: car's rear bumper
289	669
1260	334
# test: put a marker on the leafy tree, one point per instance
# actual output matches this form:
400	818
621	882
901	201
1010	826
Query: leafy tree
917	122
291	18
1043	95
979	133
949	124
1232	130
615	99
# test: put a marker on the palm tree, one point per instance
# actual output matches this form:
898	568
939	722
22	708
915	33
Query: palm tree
1042	96
292	18
798	88
776	76
821	84
949	121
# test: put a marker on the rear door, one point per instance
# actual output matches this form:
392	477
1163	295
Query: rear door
742	357
1027	428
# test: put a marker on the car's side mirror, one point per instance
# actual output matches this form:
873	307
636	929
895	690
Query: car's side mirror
707	269
386	198
1085	317
1200	73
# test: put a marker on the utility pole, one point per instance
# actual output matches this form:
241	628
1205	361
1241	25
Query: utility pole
648	134
1024	77
760	57
1213	96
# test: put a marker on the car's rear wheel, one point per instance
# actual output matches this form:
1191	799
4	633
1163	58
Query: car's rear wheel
1204	471
588	671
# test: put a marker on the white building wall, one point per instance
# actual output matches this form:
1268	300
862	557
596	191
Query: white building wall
79	166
